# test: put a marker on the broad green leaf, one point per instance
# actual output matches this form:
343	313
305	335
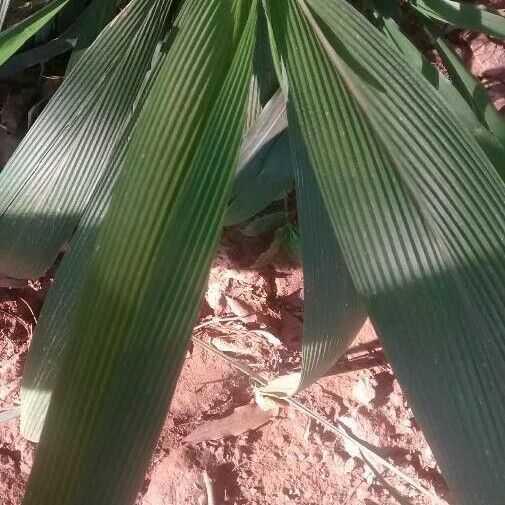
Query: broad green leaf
14	37
418	211
143	290
333	311
463	15
54	322
47	183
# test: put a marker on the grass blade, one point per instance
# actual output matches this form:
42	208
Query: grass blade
463	15
14	37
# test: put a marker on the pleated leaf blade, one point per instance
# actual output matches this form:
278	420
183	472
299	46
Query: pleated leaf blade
47	183
142	292
418	211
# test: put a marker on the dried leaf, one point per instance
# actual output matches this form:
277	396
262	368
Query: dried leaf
243	419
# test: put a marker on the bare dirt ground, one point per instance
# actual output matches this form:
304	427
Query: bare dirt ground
218	446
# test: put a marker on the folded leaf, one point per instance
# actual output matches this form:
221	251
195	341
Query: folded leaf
54	323
143	290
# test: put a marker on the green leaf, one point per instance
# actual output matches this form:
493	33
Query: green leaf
54	322
47	183
264	82
333	311
42	53
467	98
419	213
265	166
265	224
463	15
470	88
270	123
66	41
267	177
14	37
144	287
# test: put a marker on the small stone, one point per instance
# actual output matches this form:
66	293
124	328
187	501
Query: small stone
363	391
362	493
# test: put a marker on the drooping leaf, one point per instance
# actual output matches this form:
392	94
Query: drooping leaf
15	36
333	310
419	213
54	323
145	282
463	15
47	183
